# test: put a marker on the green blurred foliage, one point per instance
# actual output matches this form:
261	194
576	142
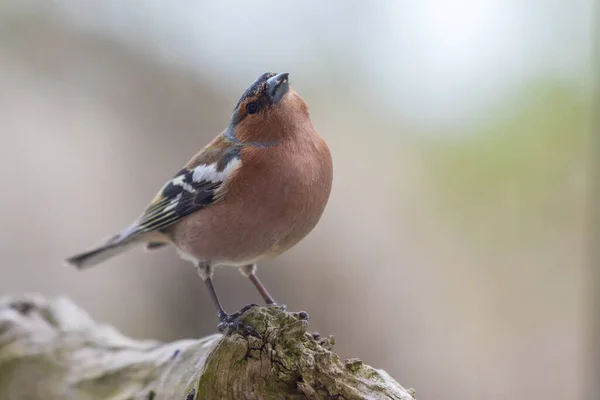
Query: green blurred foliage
524	168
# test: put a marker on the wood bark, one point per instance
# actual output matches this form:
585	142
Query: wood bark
51	349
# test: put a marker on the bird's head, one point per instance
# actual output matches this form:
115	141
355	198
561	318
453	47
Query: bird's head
268	111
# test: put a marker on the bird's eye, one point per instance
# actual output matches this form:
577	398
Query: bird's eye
252	108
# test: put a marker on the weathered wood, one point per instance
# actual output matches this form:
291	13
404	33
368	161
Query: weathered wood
51	349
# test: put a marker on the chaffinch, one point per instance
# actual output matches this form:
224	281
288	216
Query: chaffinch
252	193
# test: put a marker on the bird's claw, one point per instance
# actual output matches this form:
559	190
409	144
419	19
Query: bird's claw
230	323
230	327
282	307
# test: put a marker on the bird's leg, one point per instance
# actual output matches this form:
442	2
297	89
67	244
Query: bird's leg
206	273
229	322
249	271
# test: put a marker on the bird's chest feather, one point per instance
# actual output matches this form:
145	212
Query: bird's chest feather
285	187
271	203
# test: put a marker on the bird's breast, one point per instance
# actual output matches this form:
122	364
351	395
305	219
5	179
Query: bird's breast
273	201
288	192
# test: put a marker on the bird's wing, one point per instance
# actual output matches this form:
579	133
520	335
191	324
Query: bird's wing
201	183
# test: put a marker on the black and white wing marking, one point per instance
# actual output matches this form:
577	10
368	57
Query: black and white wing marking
189	191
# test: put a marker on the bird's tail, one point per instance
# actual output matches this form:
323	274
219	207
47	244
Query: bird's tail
116	245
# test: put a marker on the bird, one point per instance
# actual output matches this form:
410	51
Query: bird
255	191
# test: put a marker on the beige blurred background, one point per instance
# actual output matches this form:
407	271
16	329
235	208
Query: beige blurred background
454	250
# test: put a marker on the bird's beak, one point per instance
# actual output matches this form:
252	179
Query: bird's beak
277	86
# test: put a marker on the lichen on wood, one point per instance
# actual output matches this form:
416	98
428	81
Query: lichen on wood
51	349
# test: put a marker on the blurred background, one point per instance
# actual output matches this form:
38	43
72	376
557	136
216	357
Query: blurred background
462	270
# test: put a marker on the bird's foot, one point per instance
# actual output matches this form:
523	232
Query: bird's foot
230	323
282	307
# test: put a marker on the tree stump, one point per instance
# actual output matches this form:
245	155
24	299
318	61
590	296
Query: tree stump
53	350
